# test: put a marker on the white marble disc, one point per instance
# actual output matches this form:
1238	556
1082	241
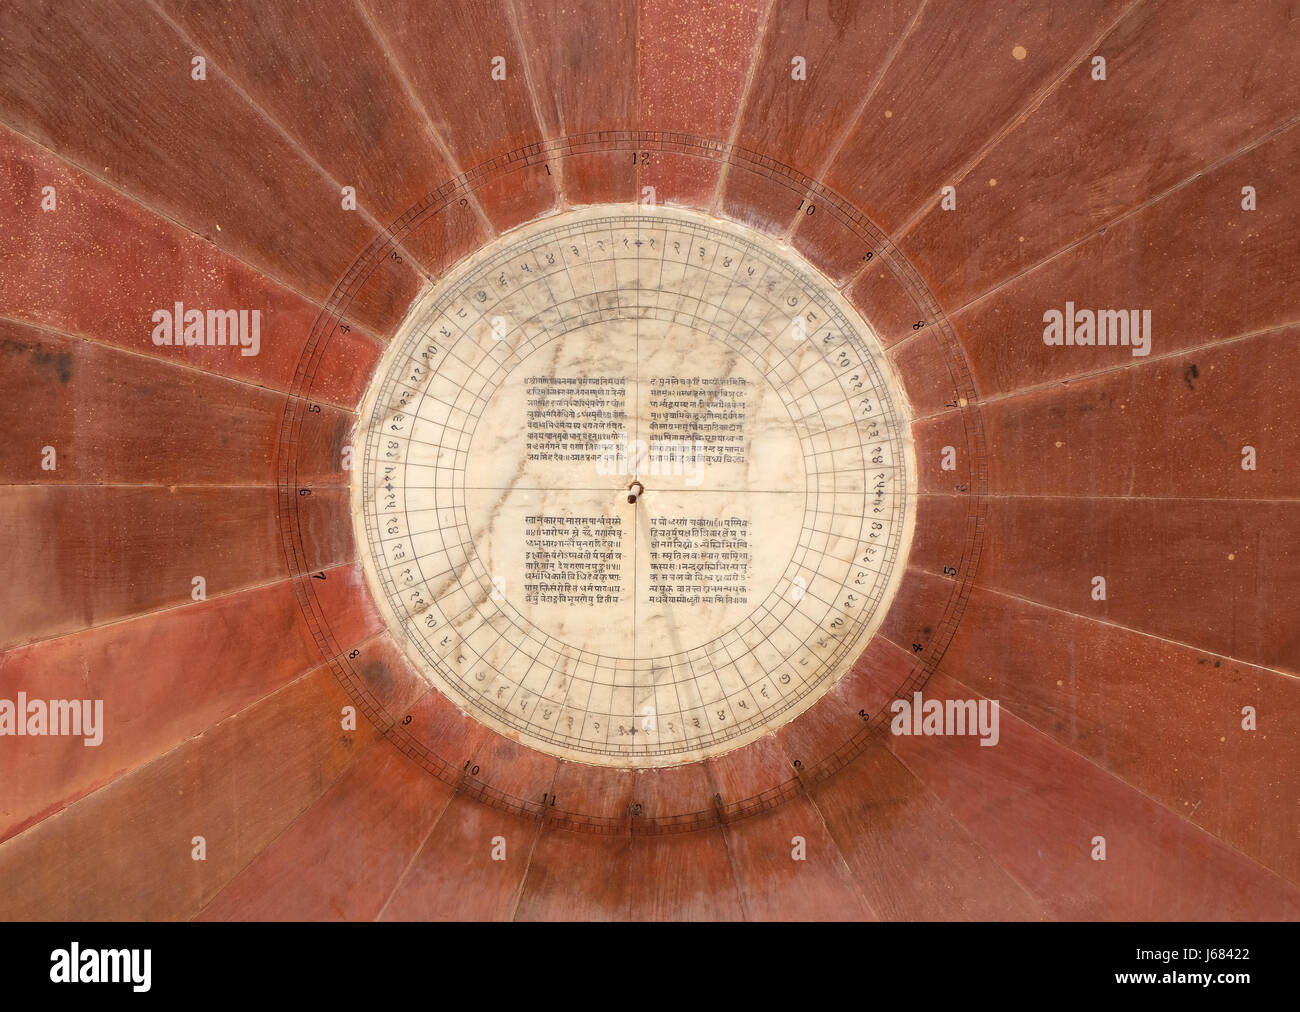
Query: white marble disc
549	372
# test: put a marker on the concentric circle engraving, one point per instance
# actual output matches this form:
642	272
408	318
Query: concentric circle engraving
635	487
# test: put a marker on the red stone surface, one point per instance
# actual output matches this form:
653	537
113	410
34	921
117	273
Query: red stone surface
1095	150
477	117
259	634
883	299
1158	864
103	555
947	94
214	786
454	878
693	61
683	877
344	857
776	887
910	858
583	63
1157	429
1120	717
1167	258
292	63
800	120
100	265
204	156
1098	690
119	418
575	877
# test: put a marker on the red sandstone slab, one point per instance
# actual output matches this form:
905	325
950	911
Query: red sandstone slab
597	791
511	196
775	886
325	448
909	858
59	275
932	381
343	857
345	610
835	240
159	684
914	621
1165	717
1158	865
953	85
869	687
583	62
844	46
600	176
692	61
745	773
203	155
879	673
389	676
943	540
947	438
324	528
674	791
762	195
344	369
1168	427
683	877
577	877
442	238
828	725
382	302
683	180
114	417
288	59
478	117
454	878
942	534
1205	270
437	725
238	786
514	769
96	555
1096	149
1188	570
885	302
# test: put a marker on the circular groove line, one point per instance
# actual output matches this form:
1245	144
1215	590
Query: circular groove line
450	195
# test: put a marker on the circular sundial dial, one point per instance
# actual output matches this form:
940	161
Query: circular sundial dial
636	485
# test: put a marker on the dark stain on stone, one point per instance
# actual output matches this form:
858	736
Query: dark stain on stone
58	361
379	676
